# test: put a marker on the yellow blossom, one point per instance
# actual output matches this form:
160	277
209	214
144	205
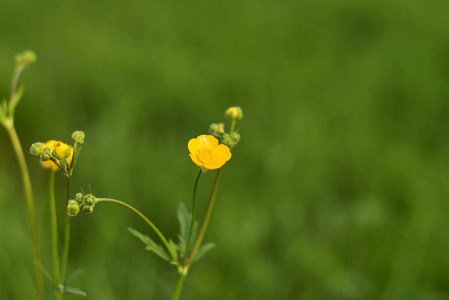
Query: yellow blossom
51	165
207	154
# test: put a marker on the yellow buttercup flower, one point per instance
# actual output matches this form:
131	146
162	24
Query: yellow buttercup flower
61	149
206	153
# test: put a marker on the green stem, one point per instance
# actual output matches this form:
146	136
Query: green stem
15	80
30	207
65	254
156	230
192	222
54	229
178	287
200	237
233	126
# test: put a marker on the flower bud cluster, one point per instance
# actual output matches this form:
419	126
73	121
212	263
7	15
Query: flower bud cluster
86	202
25	58
57	155
230	139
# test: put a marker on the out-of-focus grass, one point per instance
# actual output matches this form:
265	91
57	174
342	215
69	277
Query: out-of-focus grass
337	190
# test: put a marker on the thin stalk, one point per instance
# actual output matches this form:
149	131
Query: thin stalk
15	80
54	230
65	254
178	287
192	222
210	205
156	230
30	207
233	126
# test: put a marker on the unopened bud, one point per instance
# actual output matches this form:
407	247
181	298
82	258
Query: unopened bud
89	200
216	129
234	113
228	141
88	209
78	136
36	148
25	58
79	198
46	154
235	137
73	208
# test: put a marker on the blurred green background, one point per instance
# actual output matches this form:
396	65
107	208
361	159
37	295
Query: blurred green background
337	190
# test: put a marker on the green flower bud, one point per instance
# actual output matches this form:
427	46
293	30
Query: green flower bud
228	141
78	136
46	154
234	113
73	208
216	129
79	198
25	58
88	209
89	200
36	148
235	137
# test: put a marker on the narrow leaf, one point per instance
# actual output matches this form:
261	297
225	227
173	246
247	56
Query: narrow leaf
151	245
185	218
74	291
47	274
184	222
74	275
174	247
203	250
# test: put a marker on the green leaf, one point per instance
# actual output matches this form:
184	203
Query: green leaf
185	218
151	245
74	275
174	247
184	223
15	99
74	291
203	250
47	274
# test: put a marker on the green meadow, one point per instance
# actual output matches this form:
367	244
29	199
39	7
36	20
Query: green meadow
338	188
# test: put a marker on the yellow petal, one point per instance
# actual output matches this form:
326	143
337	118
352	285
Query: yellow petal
193	145
223	153
196	161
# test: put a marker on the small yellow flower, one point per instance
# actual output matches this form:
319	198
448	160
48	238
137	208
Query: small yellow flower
51	165
207	154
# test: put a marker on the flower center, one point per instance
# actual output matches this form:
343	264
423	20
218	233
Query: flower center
204	155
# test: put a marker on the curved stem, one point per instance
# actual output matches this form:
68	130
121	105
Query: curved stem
192	222
156	230
210	205
178	287
30	207
54	229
